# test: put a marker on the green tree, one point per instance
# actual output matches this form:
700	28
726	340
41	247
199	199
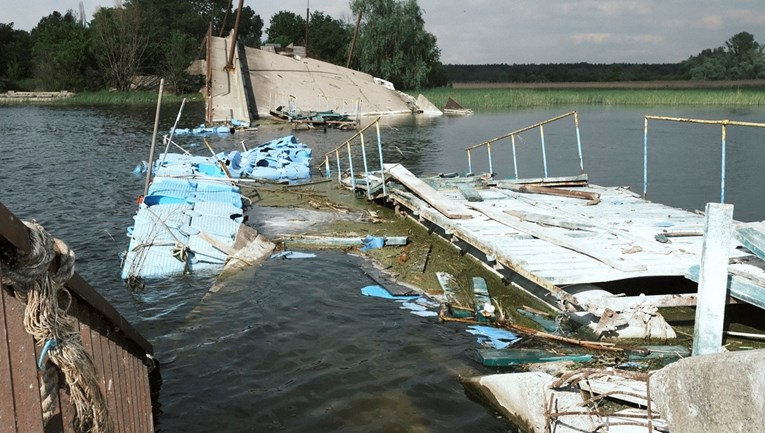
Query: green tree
741	58
61	52
15	63
122	41
250	27
286	28
328	38
393	44
180	49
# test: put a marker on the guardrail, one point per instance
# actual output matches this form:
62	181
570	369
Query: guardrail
356	140
723	123
512	136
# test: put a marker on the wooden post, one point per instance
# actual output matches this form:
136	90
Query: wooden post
353	41
154	138
713	279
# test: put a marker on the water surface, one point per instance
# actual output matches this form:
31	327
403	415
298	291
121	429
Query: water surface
292	345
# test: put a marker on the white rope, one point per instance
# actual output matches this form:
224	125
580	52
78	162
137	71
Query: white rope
47	320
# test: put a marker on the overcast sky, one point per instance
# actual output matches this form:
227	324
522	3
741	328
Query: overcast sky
524	31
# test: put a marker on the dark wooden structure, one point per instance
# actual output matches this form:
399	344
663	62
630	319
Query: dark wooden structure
122	357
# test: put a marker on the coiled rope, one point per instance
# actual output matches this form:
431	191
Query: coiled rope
46	319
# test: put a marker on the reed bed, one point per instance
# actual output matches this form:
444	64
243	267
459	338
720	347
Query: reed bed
125	98
501	99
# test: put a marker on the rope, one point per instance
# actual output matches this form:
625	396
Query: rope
46	319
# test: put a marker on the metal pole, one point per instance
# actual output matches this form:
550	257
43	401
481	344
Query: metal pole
470	163
339	173
645	158
579	142
515	161
353	41
488	150
326	163
350	165
544	154
366	168
379	150
172	132
307	17
722	169
230	63
154	138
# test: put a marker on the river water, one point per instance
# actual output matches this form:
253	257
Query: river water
293	345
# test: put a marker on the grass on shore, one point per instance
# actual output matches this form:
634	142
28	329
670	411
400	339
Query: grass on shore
126	98
500	99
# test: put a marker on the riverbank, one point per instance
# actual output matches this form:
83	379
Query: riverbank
503	96
102	98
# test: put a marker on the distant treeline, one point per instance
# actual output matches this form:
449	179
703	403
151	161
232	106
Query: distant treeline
567	72
741	58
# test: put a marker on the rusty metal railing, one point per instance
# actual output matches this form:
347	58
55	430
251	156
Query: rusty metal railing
350	146
512	136
723	123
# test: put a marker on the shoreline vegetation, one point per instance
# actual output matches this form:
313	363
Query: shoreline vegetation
484	96
500	96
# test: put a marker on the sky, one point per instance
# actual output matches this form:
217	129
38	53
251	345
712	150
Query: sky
524	31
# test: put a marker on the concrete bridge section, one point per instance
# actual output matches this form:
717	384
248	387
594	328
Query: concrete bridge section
261	81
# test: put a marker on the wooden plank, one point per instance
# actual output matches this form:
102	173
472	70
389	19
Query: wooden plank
7	407
713	273
25	383
484	308
450	287
469	192
752	236
593	250
579	180
429	194
739	287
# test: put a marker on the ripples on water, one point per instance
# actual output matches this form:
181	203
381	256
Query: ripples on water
292	345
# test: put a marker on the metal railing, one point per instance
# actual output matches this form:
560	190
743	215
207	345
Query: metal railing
356	140
723	123
512	135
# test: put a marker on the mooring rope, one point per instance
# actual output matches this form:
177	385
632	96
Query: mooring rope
47	320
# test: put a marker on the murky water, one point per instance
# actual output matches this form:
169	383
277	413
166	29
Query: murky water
293	345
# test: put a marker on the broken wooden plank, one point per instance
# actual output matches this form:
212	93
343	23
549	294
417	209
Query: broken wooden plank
752	236
428	193
484	308
591	250
547	220
579	180
592	197
469	192
338	242
450	287
740	287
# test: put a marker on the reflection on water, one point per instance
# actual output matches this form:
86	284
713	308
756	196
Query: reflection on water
293	345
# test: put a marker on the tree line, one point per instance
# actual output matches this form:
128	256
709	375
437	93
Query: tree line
150	38
741	58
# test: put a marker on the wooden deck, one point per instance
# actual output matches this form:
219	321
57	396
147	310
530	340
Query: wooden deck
556	241
122	357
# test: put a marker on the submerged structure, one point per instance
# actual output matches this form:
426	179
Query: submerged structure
246	83
193	218
605	256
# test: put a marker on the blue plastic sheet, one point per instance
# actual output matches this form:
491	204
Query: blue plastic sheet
380	292
494	337
372	243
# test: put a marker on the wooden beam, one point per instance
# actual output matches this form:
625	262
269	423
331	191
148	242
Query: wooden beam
429	194
710	308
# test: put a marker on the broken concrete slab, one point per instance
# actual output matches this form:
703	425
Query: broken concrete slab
721	393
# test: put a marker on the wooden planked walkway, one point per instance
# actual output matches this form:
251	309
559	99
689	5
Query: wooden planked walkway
556	241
